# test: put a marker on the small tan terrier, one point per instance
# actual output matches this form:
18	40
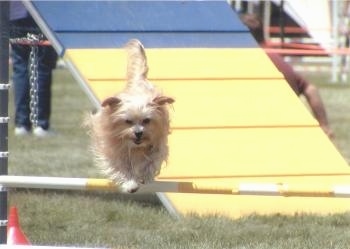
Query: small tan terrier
130	131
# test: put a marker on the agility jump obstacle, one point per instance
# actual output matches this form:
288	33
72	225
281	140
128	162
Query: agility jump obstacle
236	120
248	131
264	189
4	89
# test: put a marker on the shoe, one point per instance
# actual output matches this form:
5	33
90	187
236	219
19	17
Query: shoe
41	132
21	131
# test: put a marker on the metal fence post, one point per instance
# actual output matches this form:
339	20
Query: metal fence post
4	87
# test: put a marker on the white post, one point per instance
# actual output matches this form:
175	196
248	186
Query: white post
266	20
238	5
335	57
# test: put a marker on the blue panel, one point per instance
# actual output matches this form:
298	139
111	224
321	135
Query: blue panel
119	16
158	40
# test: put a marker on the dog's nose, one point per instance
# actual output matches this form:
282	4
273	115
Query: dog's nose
138	134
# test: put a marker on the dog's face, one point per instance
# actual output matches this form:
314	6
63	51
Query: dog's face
138	121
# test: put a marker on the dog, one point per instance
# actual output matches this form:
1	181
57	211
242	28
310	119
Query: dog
129	133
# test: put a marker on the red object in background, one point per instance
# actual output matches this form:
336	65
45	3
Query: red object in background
15	235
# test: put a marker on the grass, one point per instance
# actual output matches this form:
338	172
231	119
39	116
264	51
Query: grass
98	219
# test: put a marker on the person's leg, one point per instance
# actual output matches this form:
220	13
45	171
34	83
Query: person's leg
19	55
47	58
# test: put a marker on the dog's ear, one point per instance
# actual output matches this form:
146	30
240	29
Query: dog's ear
161	100
110	101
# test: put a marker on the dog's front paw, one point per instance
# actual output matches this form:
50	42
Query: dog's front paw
130	186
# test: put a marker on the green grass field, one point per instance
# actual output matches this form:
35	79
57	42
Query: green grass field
99	219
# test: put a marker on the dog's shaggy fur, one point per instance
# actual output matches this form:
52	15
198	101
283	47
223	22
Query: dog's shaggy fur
130	131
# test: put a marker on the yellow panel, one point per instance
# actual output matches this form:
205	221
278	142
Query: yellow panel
105	88
238	206
251	152
278	155
223	103
177	63
249	127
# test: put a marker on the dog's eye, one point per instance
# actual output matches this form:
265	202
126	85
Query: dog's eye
128	121
146	121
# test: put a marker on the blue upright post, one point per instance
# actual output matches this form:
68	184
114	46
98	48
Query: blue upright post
4	86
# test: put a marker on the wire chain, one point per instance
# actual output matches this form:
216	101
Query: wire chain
33	79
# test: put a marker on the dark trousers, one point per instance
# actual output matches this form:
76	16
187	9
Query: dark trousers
46	62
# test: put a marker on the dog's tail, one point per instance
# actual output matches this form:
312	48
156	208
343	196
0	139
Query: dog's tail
137	67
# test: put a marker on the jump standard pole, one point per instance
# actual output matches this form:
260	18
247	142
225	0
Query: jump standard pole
4	89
